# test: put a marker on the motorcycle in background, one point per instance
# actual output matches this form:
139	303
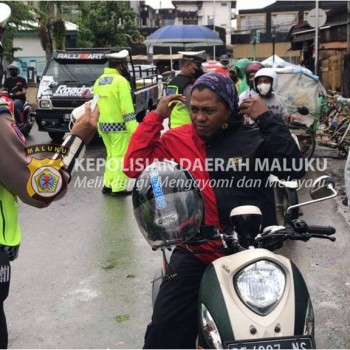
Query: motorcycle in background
27	120
302	125
285	192
252	298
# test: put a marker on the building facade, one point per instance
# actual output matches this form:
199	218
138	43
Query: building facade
208	13
263	32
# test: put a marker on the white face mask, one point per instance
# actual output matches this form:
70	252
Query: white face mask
264	89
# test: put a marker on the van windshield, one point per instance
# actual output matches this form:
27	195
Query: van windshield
84	73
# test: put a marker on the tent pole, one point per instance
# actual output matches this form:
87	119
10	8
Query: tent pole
171	58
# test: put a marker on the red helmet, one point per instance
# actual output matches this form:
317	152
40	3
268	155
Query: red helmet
253	67
6	101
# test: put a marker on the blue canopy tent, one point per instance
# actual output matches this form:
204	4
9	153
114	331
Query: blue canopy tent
185	36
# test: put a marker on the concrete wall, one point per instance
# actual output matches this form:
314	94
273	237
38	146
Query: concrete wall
31	94
264	50
30	55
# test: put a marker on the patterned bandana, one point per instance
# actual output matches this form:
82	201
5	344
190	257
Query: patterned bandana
222	86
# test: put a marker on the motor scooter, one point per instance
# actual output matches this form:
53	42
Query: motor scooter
26	117
253	298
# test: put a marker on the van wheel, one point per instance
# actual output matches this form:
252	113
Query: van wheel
56	136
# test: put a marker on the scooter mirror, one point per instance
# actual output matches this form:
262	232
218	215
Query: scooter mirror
322	187
246	221
303	110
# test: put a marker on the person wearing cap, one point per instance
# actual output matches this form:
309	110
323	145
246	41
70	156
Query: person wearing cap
191	69
214	147
16	87
17	180
224	65
117	120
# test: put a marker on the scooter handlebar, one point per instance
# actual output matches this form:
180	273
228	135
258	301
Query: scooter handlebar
322	230
299	231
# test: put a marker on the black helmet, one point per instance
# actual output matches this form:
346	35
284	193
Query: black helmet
168	204
12	66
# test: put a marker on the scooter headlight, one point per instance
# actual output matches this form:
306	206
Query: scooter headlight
260	286
210	329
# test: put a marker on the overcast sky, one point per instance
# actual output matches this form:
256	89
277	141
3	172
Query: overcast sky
241	4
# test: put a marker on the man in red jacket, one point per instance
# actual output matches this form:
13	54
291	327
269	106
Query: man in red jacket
215	146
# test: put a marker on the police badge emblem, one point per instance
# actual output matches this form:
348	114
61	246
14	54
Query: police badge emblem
45	180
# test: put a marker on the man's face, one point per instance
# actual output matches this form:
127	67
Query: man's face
225	63
13	72
194	67
251	76
208	112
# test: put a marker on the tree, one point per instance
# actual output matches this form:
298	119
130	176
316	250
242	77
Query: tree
51	26
21	14
106	24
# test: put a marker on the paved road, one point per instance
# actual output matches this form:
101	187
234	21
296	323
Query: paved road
83	278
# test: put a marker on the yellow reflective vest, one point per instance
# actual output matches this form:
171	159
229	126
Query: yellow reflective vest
10	232
115	104
180	114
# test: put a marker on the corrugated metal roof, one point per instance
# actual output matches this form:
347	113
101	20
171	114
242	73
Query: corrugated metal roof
32	26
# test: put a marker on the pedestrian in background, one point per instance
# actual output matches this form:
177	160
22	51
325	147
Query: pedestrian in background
191	69
117	120
240	65
265	84
249	72
15	181
224	65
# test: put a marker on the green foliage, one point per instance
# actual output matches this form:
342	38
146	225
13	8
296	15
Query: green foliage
21	14
59	33
51	26
101	23
106	24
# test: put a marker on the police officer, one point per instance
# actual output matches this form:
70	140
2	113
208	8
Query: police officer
191	69
117	120
36	182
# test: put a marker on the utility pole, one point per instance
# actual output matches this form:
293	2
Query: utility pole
214	52
316	37
273	44
348	30
253	40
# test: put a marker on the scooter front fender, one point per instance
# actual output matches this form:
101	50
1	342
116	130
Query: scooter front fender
235	320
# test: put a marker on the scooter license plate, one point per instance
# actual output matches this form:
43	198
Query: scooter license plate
273	343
